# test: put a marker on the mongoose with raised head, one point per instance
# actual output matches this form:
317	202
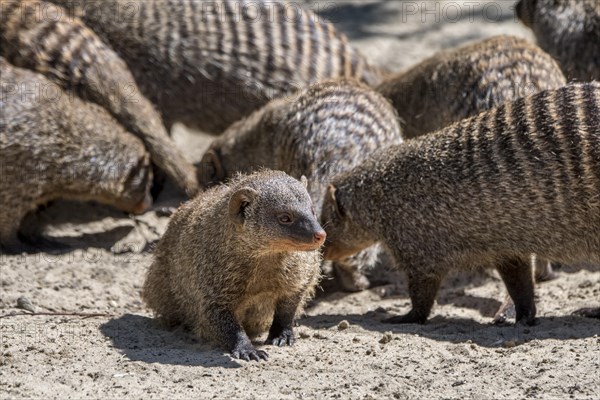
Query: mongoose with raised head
326	129
209	63
456	84
42	37
569	30
55	146
238	260
519	179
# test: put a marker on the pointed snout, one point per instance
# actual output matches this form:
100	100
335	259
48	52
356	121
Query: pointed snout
319	237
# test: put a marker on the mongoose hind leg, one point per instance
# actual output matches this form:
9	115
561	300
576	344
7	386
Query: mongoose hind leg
282	331
157	294
544	270
231	334
590	312
516	275
422	288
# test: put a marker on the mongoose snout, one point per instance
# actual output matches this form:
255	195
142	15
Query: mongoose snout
140	181
304	231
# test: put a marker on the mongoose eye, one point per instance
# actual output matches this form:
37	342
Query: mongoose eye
285	219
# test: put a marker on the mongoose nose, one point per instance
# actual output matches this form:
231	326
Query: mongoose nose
320	237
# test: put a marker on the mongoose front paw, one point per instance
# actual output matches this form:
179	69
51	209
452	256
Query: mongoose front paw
526	316
505	311
284	337
247	353
409	318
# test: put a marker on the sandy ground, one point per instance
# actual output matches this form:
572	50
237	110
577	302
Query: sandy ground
457	354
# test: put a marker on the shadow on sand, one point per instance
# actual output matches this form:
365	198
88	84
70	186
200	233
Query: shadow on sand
141	338
462	330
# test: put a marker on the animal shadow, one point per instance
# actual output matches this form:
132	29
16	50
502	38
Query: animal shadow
141	338
461	330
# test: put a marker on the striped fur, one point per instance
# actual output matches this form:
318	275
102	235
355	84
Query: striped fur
55	146
325	130
43	37
569	30
457	84
521	178
209	63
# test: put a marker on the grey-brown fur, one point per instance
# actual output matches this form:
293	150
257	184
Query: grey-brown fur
210	63
519	179
55	146
230	269
569	30
456	84
323	131
42	37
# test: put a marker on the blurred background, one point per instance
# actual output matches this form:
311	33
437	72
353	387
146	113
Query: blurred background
399	34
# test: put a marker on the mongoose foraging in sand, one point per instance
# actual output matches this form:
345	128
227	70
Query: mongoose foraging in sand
56	146
519	179
569	30
238	260
456	84
42	37
326	129
209	63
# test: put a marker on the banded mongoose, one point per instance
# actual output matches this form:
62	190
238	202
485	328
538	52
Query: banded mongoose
326	129
519	179
456	84
209	63
55	146
42	37
238	260
569	30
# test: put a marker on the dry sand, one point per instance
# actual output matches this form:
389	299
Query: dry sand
456	355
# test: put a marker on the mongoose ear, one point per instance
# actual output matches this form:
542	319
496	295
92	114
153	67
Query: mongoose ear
211	157
331	194
238	203
304	181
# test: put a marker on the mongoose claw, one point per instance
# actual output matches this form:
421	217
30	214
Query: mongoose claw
526	316
249	353
588	312
285	337
500	318
505	311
